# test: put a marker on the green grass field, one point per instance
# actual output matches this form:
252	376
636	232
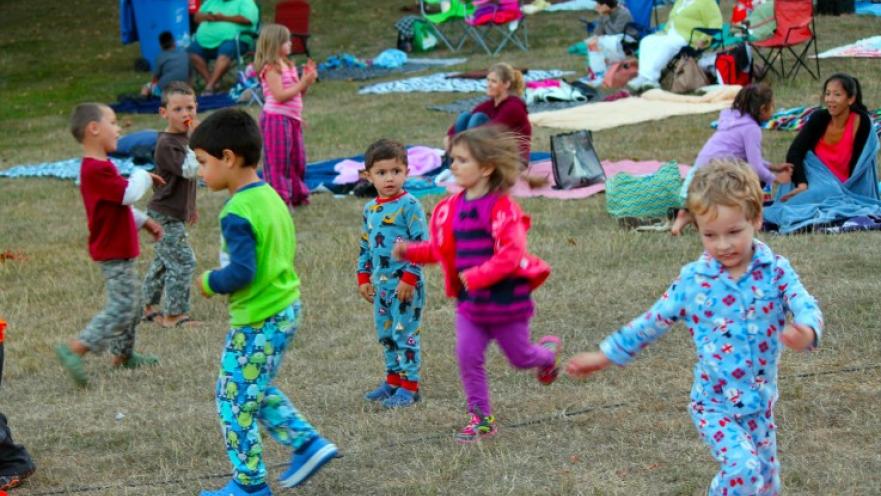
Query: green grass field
624	432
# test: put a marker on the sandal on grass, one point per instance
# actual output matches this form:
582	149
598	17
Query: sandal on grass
137	360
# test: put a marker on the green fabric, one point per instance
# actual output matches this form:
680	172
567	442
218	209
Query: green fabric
762	23
275	284
459	9
689	14
211	34
423	37
644	196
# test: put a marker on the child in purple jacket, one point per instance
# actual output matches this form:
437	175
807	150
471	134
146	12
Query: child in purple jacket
739	136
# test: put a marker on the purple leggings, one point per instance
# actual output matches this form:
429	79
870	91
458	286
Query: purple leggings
472	338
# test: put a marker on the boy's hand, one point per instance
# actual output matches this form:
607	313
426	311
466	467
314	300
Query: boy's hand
193	218
399	250
366	291
798	337
404	291
157	179
584	364
154	228
201	288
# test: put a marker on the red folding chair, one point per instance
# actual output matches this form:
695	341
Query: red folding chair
795	26
294	15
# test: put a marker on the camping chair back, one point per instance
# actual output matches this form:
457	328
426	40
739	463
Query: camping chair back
450	18
794	22
457	9
294	15
641	10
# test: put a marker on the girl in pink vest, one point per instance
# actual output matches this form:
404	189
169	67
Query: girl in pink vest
479	237
284	154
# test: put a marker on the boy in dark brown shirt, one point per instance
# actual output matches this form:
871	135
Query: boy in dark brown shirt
173	205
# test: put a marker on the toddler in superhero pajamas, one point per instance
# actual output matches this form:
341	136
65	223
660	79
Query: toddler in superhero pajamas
394	287
735	301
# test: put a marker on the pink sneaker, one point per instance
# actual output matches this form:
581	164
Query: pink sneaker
478	428
549	374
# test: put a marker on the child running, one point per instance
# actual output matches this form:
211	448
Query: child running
739	136
113	242
479	237
284	161
173	205
258	247
395	288
734	300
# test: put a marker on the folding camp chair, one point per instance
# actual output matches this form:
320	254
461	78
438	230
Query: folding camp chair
642	10
294	15
497	22
795	26
452	15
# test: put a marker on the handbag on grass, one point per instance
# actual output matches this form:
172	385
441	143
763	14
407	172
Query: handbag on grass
648	196
574	161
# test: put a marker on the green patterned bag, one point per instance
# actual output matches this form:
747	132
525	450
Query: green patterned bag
644	196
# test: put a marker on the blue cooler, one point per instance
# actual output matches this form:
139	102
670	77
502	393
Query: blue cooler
144	20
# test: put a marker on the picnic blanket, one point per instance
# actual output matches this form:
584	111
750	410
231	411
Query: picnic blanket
828	200
467	104
441	82
367	72
652	105
131	105
866	48
865	7
543	169
794	118
67	169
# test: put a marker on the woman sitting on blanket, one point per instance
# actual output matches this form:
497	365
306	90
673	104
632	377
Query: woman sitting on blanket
836	134
505	107
658	49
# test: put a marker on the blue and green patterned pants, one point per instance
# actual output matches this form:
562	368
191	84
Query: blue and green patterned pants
245	394
397	329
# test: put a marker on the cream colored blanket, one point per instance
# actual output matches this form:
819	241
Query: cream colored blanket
650	106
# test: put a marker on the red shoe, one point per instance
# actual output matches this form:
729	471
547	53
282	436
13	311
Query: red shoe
549	374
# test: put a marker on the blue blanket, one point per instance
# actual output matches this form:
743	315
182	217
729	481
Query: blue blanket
132	105
828	200
865	7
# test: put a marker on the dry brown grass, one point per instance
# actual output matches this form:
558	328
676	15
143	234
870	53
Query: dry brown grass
625	432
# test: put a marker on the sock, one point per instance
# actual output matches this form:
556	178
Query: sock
251	489
393	379
412	386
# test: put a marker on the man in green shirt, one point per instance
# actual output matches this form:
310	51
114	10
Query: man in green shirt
220	21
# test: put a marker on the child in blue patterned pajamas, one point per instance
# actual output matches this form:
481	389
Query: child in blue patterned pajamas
734	300
394	287
258	245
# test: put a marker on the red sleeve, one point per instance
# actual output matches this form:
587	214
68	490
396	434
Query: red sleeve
105	183
420	253
512	114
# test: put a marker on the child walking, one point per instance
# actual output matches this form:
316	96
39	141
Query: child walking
395	288
284	161
734	300
113	242
258	247
739	136
173	205
479	238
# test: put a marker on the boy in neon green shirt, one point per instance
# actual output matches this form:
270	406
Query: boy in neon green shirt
257	255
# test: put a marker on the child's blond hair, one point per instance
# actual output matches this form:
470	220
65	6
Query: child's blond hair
725	182
491	146
272	37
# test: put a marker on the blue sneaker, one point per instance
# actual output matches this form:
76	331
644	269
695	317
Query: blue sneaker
382	392
306	464
401	398
233	489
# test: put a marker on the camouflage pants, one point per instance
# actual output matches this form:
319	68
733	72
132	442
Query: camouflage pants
114	326
172	268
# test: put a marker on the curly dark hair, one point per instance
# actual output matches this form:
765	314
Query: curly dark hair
751	99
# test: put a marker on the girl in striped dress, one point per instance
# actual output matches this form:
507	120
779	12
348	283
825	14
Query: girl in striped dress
284	154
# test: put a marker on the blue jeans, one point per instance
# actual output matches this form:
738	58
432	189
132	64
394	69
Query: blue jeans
467	120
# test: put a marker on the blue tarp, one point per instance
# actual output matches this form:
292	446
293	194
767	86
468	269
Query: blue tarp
828	200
